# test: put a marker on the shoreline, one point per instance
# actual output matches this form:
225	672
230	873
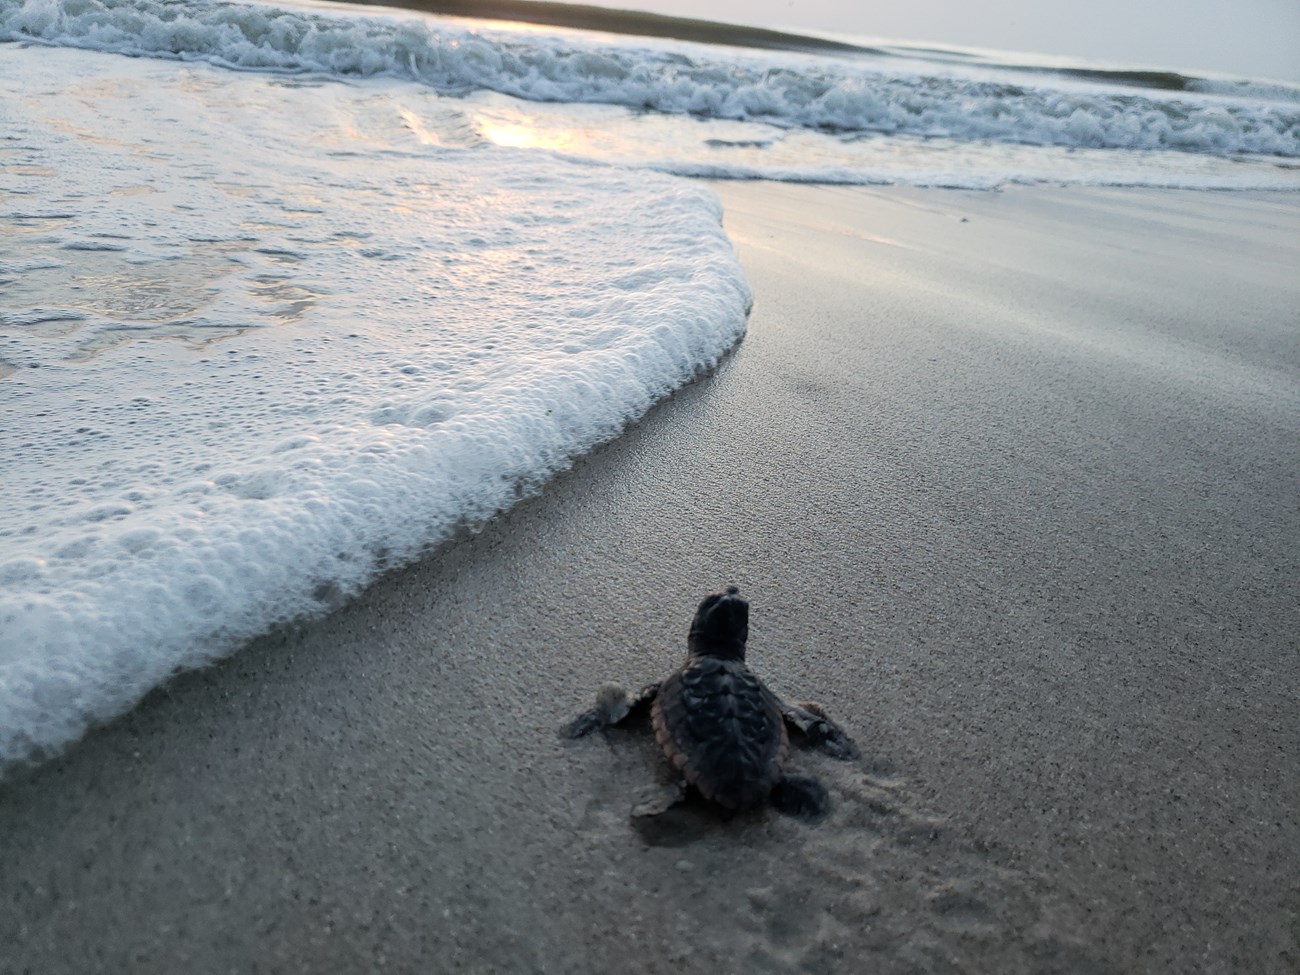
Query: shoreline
1007	479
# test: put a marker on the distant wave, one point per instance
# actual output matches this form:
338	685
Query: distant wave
1172	81
637	22
828	95
1266	90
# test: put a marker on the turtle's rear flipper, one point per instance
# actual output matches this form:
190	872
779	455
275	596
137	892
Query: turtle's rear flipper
612	706
658	800
813	727
672	815
801	796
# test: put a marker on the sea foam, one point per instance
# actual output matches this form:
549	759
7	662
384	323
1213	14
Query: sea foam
790	90
245	364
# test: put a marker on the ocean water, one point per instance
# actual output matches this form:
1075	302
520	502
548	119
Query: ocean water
289	294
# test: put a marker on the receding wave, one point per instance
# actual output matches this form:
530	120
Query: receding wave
255	357
785	90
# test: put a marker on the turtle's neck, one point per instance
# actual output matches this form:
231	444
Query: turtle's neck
733	649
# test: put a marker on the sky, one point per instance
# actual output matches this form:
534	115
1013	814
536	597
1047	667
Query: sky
1255	38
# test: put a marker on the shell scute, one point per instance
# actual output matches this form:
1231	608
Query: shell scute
719	724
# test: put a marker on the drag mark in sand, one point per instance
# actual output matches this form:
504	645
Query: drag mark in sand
880	881
884	882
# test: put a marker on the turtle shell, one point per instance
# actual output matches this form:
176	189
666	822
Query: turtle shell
723	729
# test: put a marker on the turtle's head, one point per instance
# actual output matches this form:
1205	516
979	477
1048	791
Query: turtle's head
721	626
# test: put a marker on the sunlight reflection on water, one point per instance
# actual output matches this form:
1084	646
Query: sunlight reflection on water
722	149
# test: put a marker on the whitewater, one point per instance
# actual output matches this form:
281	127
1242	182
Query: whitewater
290	295
250	365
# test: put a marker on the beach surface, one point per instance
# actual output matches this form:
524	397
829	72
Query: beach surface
1010	482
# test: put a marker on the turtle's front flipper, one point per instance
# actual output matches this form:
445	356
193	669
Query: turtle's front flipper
811	725
612	706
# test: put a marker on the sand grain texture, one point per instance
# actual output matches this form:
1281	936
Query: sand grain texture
1009	480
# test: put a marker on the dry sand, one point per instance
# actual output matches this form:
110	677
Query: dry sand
1011	482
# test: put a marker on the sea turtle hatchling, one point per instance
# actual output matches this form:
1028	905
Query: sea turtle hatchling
721	728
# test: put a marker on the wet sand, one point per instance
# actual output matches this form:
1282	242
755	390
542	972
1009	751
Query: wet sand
1010	481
